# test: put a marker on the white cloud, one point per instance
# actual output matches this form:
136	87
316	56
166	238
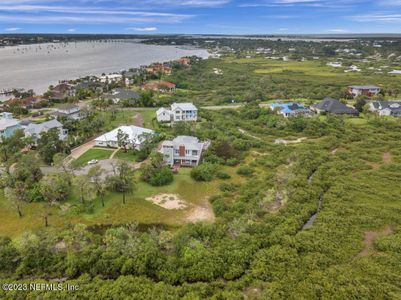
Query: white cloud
142	28
13	29
72	30
377	18
337	30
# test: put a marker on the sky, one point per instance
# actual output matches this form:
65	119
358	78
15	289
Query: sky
200	16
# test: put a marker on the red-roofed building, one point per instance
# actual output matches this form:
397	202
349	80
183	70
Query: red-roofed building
161	86
184	61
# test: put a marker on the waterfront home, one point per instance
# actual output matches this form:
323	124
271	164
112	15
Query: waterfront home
290	109
60	92
186	61
159	68
178	112
110	78
331	105
135	137
183	150
27	103
120	94
363	90
34	130
8	125
68	110
161	86
386	108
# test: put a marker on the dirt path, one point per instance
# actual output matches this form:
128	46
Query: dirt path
138	120
286	142
248	134
387	157
370	238
114	153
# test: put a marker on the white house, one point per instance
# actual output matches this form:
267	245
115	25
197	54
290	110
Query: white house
164	115
34	130
178	112
136	136
111	78
183	150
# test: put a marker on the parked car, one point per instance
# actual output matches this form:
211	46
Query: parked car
93	162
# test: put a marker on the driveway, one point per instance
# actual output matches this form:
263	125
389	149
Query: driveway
78	151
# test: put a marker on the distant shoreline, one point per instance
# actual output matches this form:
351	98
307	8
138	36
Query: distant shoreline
37	66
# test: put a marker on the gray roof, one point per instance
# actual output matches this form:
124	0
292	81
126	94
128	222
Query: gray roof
34	128
6	123
183	106
394	106
190	142
123	94
334	106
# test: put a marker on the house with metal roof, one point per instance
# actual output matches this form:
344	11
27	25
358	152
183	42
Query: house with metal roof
136	136
290	109
334	106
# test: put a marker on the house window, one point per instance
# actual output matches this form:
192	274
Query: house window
187	152
194	152
176	152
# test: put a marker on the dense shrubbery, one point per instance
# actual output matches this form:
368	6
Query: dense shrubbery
204	172
155	172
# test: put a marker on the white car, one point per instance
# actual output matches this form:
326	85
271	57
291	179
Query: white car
93	162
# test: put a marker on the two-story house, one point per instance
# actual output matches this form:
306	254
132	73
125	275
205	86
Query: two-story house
34	130
363	90
183	150
184	112
178	112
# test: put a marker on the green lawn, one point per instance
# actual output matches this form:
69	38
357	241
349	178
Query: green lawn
95	153
137	209
129	156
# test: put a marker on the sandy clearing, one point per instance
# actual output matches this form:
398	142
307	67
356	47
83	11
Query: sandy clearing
168	201
201	214
370	237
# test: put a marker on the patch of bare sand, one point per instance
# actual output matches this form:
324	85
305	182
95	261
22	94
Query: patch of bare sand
168	201
286	142
387	157
370	237
202	213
